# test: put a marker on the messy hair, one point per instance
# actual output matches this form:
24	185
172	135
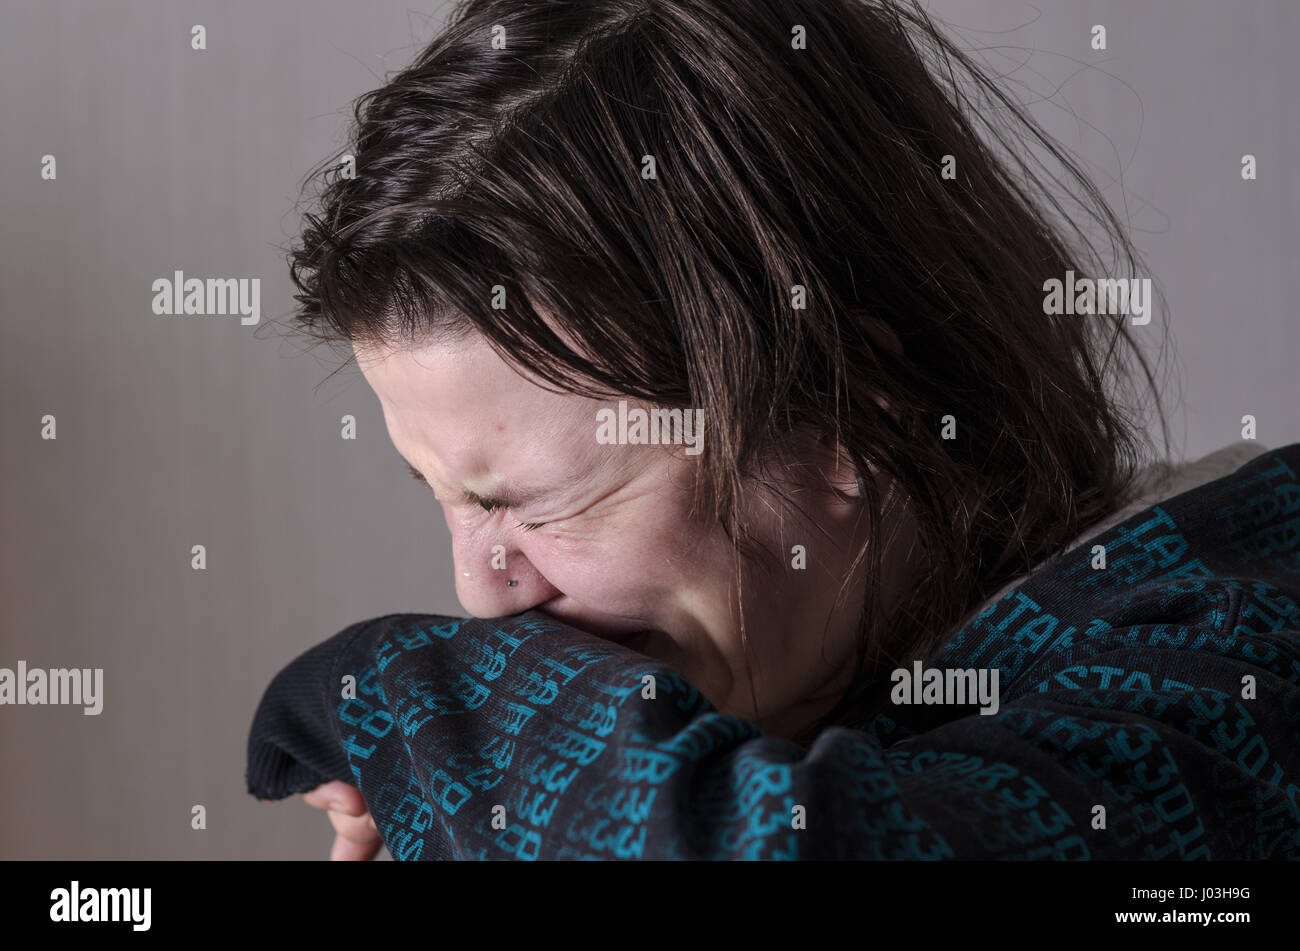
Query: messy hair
844	207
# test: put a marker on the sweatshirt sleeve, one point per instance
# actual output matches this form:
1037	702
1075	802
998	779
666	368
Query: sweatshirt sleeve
525	739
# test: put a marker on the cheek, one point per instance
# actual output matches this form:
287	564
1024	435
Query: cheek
632	566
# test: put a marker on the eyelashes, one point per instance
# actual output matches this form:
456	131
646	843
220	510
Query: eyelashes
488	505
491	506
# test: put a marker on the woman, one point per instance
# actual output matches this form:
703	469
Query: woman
820	231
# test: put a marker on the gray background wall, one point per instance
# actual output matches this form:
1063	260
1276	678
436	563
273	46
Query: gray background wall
181	431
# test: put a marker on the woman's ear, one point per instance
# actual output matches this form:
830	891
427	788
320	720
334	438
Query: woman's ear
841	474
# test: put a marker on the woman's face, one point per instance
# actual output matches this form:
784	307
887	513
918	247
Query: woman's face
609	546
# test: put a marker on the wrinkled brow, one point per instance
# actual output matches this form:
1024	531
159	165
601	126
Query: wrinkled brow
508	497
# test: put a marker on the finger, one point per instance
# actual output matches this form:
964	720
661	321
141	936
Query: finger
337	797
357	828
345	850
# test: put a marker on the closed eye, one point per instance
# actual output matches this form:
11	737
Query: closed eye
492	505
488	505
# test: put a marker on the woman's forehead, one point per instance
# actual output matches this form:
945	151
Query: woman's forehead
461	414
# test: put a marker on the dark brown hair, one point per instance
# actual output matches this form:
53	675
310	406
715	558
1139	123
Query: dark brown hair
777	165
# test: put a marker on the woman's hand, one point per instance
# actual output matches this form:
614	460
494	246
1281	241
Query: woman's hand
358	837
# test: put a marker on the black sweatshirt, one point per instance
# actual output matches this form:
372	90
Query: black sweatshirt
1149	709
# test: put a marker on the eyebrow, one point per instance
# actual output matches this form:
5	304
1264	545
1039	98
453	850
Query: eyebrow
508	497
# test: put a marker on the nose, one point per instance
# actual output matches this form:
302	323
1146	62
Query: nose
494	578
